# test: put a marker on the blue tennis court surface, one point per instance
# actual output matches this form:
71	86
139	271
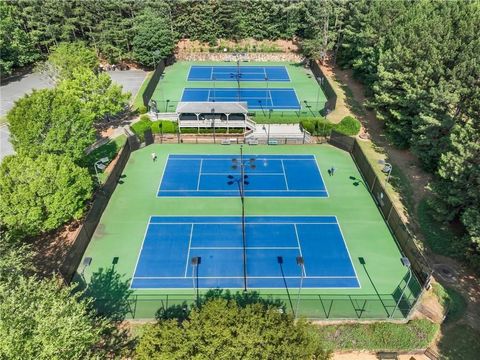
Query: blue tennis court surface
242	73
214	175
272	245
275	99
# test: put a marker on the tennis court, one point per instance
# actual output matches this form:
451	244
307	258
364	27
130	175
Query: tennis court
273	244
219	175
274	99
241	73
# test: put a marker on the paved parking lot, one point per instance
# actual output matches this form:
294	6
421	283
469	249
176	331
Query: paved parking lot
16	87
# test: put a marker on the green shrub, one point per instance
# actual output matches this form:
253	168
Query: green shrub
140	127
142	109
145	117
195	130
348	126
453	302
318	127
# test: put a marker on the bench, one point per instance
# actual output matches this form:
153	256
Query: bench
252	142
272	142
225	142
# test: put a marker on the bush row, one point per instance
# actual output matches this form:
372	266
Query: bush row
322	127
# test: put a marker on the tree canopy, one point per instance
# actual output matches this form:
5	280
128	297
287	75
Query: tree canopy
43	320
51	121
154	38
40	194
224	329
420	61
118	29
98	95
67	58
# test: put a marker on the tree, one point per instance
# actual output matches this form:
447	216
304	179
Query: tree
15	257
40	194
223	329
99	96
68	57
16	45
51	121
154	39
41	320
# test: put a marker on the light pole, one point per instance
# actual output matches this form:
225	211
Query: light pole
195	262
213	123
241	182
301	263
387	169
406	263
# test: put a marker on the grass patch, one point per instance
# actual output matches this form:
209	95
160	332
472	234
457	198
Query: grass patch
138	100
3	119
348	126
452	301
438	236
110	150
459	342
416	334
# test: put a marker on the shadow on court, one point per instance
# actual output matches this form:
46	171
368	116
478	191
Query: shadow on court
364	265
181	311
110	293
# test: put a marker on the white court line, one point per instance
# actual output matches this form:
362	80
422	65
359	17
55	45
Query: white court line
141	249
300	249
348	252
321	177
188	253
248	248
199	174
241	277
246	190
163	173
239	222
285	175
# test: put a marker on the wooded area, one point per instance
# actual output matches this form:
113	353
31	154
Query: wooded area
146	31
421	65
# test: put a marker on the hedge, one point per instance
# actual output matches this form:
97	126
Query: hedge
139	128
322	127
